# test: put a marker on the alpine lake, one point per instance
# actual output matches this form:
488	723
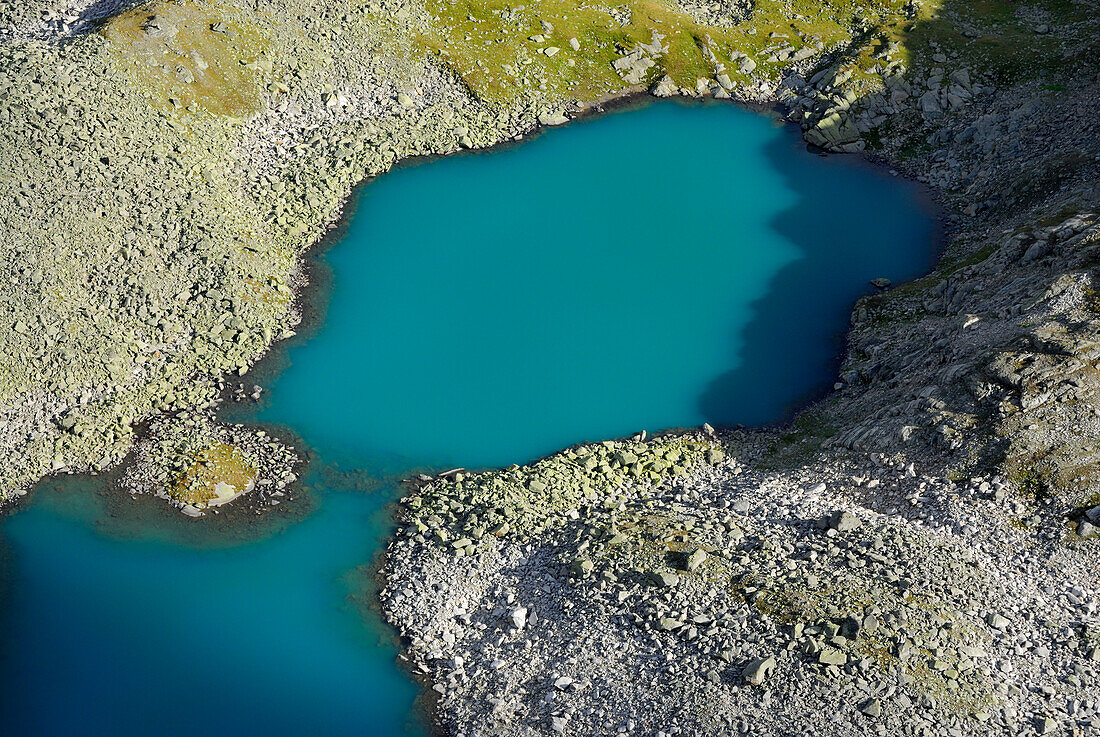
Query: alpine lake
656	267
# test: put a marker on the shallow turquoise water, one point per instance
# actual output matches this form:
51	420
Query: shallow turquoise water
649	269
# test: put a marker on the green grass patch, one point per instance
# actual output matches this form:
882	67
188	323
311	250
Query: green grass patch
991	36
500	48
192	55
950	266
218	467
1031	482
808	432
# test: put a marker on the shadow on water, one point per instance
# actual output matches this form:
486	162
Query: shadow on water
822	286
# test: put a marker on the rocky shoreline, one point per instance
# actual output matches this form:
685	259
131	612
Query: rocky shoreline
859	595
916	553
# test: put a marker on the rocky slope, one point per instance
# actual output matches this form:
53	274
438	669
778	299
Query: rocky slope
853	595
915	553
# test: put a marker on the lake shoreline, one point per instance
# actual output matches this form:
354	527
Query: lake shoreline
837	492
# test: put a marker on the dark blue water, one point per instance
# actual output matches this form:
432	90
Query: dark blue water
649	269
141	636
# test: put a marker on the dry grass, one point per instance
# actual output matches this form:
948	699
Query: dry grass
217	463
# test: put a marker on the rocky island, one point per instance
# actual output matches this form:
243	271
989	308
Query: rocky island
915	553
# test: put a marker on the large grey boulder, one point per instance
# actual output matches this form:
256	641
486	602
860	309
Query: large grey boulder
758	670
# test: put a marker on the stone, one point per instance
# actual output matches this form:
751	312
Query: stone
1035	251
834	131
1086	529
156	27
625	458
803	53
758	670
997	622
696	559
831	656
663	579
843	521
668	624
519	617
582	567
871	707
851	627
930	104
553	118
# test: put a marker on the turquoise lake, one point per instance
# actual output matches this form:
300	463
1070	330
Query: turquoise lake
652	268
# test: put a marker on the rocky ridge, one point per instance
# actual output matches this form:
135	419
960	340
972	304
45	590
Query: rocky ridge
857	596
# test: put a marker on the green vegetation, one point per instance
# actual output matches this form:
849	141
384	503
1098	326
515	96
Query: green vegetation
808	431
219	470
525	500
950	266
816	605
1031	483
504	51
192	55
1002	38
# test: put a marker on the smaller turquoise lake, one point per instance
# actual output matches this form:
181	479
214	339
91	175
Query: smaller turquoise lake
651	268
